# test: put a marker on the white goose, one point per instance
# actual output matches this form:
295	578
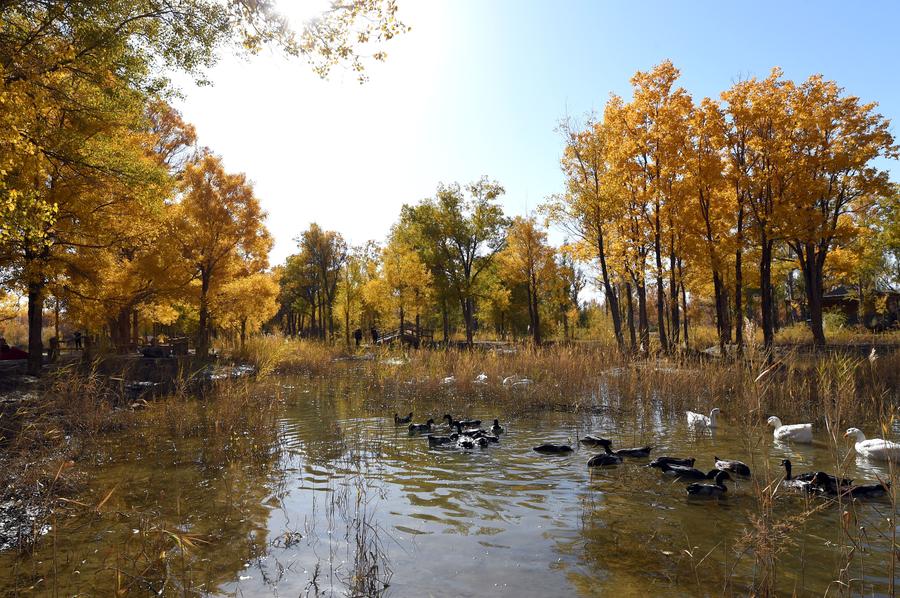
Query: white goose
874	448
791	432
698	420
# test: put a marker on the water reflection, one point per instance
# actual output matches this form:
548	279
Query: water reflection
346	495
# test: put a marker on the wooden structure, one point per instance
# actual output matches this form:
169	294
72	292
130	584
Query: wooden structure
410	335
847	300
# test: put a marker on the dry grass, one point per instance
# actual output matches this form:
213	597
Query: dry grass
585	376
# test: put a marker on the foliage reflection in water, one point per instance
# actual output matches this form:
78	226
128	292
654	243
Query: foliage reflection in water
332	498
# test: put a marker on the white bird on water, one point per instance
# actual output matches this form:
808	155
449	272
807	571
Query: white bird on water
874	448
698	420
791	432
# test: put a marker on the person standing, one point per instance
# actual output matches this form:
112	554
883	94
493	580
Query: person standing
357	336
76	336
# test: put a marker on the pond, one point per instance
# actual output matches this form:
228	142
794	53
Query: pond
345	502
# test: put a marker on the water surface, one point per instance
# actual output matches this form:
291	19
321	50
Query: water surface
345	500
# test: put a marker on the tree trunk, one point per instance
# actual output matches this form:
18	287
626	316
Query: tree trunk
56	318
445	316
536	318
135	332
765	289
685	314
243	332
643	318
610	293
660	296
347	325
203	327
739	285
630	316
35	327
812	264
721	311
468	308
120	329
674	308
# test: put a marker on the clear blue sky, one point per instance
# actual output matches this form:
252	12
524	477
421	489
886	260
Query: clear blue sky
478	86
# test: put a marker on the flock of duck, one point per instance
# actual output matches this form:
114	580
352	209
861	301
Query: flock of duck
468	434
464	434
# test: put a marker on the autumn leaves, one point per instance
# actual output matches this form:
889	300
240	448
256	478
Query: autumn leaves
669	195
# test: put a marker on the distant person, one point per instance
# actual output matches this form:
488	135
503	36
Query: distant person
374	335
77	338
357	336
4	346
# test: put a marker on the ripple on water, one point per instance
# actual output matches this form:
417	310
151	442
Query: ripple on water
504	519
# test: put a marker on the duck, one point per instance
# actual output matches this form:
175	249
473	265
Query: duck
698	420
467	442
552	449
475	433
591	440
877	449
496	428
733	466
402	420
792	432
426	427
463	431
638	453
466	423
464	442
868	490
604	460
715	489
689	473
664	460
821	476
439	440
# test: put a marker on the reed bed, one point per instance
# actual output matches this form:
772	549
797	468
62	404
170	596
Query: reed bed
837	387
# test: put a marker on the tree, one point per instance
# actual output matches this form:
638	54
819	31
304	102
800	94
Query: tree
73	75
115	281
834	139
351	285
89	190
219	230
415	228
467	234
406	278
528	259
711	224
242	305
651	131
324	253
572	282
589	204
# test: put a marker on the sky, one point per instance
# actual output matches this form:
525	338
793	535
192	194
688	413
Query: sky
477	87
